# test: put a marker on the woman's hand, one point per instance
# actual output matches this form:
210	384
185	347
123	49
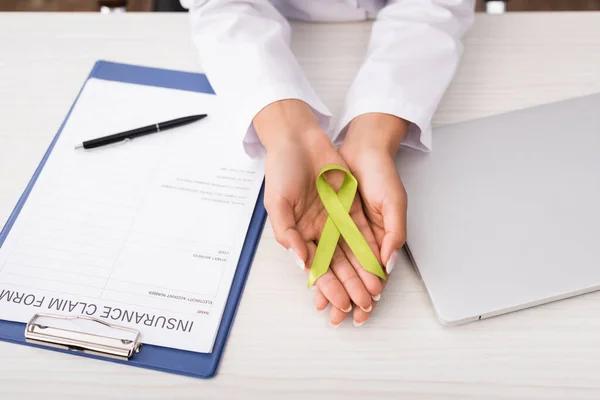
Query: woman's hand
369	150
297	150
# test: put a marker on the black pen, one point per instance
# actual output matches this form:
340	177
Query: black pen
134	133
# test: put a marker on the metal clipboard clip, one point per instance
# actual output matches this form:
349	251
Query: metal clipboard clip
105	346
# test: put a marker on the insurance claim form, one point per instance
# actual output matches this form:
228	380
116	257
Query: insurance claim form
145	234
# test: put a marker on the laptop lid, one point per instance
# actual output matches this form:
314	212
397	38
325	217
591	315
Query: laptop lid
504	213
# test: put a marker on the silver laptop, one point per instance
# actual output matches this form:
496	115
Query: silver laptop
504	214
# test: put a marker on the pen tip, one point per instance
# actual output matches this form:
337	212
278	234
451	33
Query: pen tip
79	146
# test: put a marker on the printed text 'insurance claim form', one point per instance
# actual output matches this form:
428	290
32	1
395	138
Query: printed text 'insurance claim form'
146	234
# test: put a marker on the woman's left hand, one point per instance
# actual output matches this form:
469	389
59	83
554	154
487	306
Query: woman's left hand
369	150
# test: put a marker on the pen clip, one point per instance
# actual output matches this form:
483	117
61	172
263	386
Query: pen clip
119	143
115	144
81	146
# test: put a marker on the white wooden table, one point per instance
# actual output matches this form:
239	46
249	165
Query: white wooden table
280	347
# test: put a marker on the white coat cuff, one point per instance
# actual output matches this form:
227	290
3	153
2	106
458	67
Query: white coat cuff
254	103
418	135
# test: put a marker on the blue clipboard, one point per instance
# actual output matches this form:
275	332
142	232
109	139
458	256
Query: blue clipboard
199	365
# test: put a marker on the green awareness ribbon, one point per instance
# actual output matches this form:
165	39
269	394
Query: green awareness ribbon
339	222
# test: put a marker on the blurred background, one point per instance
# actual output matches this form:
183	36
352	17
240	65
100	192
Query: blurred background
173	5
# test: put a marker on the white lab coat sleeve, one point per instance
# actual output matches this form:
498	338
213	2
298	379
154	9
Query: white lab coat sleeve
413	53
244	48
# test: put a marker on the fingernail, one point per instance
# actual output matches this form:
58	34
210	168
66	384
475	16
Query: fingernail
331	324
368	309
377	297
299	262
391	262
357	324
347	310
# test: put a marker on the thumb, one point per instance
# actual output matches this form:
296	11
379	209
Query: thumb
394	224
283	222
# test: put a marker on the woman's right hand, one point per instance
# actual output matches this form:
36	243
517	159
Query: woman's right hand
297	150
